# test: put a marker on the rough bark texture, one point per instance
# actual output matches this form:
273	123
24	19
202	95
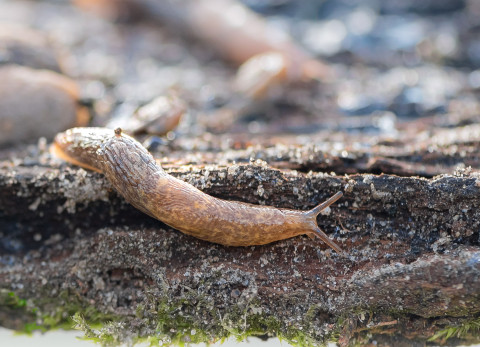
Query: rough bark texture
413	264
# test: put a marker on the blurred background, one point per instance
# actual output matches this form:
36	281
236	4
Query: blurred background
383	64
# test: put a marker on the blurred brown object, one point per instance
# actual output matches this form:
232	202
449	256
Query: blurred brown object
235	32
23	46
36	103
158	117
263	71
240	34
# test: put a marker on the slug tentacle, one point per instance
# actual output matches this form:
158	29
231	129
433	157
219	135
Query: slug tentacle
322	236
136	176
314	212
319	208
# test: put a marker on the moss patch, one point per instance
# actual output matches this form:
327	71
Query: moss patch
157	324
46	314
167	323
466	331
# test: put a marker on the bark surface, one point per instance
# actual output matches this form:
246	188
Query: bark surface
413	264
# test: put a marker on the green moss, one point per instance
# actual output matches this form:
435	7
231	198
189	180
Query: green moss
173	327
107	334
11	299
49	313
261	325
464	331
18	309
183	321
162	322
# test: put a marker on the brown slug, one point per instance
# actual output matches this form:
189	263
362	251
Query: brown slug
134	173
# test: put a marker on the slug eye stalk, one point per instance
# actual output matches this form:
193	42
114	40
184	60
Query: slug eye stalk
319	208
313	213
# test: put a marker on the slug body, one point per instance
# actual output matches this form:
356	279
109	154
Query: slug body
134	173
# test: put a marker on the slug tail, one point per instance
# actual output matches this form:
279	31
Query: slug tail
313	213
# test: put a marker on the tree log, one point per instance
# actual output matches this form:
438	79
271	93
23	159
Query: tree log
71	245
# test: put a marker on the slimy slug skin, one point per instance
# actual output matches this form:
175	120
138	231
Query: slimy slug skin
136	176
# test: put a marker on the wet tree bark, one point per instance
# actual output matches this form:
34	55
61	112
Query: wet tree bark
412	269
